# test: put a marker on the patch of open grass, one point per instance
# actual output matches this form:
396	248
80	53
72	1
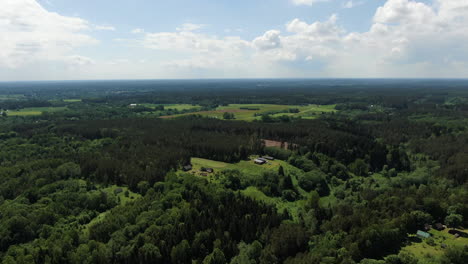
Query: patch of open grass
249	169
181	107
250	112
122	198
432	252
281	205
34	111
72	100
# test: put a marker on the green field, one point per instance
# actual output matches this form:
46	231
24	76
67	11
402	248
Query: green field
249	111
34	111
250	169
429	252
245	166
178	107
72	100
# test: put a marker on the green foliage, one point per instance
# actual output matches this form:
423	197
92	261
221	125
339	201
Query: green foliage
92	180
359	167
314	180
69	170
216	257
454	220
455	255
228	116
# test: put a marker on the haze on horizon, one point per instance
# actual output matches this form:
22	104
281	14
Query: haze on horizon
181	39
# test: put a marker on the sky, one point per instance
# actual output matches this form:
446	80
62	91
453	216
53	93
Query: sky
194	39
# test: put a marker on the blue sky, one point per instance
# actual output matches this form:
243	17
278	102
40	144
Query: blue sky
146	39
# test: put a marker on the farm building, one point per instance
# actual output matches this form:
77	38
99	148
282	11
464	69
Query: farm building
187	167
423	234
439	226
209	170
260	161
268	158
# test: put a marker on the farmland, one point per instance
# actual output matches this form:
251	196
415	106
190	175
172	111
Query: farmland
178	107
250	112
33	111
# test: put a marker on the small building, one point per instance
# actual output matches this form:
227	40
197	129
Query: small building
133	105
260	161
209	170
423	234
427	227
268	158
187	167
439	226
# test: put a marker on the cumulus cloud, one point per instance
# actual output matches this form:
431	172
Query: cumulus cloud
407	38
269	40
30	33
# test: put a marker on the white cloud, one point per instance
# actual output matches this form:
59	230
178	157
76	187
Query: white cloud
108	28
307	2
269	40
30	33
407	38
190	27
404	11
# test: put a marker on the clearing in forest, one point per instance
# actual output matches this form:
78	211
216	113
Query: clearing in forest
250	112
32	111
432	249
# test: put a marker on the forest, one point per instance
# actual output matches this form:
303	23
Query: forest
219	171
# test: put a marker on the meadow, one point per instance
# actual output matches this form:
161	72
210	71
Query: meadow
34	111
253	171
250	112
178	107
430	250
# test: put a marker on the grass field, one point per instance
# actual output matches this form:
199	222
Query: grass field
250	169
178	107
181	107
248	111
430	252
245	166
72	100
34	111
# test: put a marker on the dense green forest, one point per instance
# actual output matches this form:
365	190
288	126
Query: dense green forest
90	173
